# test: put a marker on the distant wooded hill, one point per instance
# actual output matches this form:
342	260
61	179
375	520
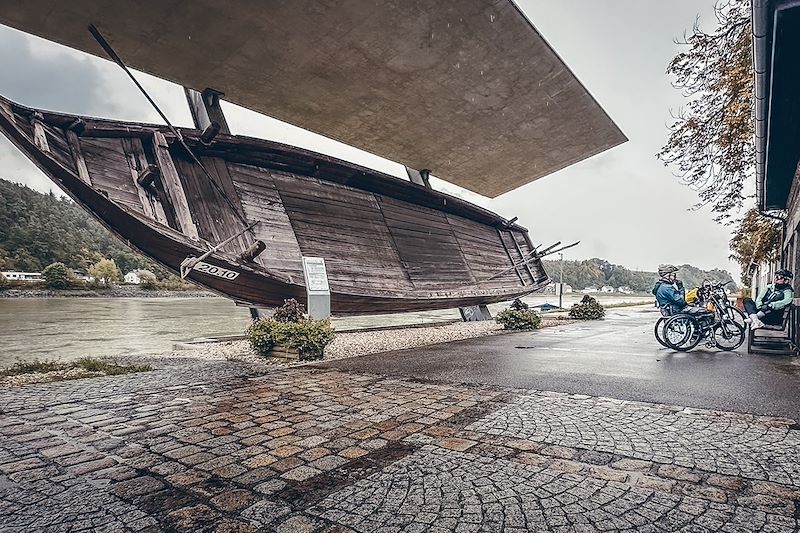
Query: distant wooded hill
39	229
598	272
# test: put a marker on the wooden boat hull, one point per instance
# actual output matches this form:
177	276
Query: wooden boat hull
390	246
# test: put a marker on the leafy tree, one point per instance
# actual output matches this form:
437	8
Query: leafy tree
39	229
57	276
25	262
711	140
5	259
86	258
105	271
598	272
147	280
757	239
694	277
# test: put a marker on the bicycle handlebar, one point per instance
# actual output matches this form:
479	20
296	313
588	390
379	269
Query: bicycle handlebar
719	285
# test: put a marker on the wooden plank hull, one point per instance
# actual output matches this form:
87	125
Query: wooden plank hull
389	245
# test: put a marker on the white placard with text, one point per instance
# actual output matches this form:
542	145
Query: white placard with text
316	275
317	287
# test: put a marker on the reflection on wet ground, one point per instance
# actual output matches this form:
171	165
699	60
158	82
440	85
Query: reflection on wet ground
70	328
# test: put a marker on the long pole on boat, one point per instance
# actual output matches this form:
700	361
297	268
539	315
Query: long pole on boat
190	262
118	60
530	257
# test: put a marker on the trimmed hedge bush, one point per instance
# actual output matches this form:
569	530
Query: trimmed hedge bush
308	337
588	309
519	319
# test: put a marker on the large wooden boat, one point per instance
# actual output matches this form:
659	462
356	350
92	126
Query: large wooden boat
389	245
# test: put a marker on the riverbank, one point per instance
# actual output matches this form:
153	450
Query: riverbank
357	343
119	291
67	329
345	345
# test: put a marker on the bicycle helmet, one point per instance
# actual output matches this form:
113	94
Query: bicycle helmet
663	270
785	273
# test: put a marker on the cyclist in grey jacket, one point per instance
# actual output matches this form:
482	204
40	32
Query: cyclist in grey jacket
770	302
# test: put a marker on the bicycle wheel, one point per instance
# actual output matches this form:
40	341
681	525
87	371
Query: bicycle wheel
658	331
728	335
737	315
682	333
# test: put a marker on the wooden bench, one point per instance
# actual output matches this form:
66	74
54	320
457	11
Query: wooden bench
775	340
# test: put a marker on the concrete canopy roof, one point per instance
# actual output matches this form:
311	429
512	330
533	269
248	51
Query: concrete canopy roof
468	89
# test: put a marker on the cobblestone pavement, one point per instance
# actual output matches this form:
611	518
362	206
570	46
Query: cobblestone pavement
221	446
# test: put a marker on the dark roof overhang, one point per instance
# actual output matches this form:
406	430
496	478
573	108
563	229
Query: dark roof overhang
776	62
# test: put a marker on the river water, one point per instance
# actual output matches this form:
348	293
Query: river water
69	328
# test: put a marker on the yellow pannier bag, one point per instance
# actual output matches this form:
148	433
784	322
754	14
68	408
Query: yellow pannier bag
691	296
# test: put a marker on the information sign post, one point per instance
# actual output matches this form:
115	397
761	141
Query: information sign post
317	288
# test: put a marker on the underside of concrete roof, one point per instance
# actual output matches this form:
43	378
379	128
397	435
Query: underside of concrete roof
468	89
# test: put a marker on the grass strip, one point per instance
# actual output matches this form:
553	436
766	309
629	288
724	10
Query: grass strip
89	364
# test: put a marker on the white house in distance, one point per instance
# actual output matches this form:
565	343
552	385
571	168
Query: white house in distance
83	276
134	277
551	288
606	288
23	276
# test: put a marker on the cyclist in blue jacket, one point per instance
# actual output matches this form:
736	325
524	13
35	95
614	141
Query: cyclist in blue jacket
669	291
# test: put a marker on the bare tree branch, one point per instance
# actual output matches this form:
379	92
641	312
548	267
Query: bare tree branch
710	146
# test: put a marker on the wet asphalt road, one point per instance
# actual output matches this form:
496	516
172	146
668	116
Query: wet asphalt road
616	357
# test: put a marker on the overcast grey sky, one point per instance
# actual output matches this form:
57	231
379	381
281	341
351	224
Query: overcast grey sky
623	205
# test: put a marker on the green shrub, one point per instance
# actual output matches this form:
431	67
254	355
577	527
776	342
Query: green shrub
519	305
105	271
57	276
290	311
76	283
519	319
147	280
308	337
33	367
588	309
91	364
175	283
